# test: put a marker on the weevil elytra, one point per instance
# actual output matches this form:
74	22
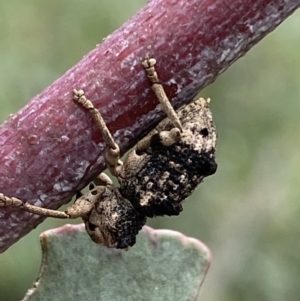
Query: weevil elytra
157	175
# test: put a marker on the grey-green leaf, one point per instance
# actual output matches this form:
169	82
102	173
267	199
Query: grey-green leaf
163	265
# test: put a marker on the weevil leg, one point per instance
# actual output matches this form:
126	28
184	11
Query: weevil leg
81	207
149	65
103	180
112	156
166	138
6	201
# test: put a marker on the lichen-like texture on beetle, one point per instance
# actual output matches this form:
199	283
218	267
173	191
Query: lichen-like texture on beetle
166	175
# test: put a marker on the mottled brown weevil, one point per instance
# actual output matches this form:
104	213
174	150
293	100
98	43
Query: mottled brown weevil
161	171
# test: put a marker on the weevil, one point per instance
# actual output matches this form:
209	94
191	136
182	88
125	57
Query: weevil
161	171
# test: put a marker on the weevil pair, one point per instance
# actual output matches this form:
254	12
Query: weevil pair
157	175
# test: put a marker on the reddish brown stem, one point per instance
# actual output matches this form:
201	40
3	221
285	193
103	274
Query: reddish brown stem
51	148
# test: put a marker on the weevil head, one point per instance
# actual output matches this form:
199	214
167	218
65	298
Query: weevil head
113	221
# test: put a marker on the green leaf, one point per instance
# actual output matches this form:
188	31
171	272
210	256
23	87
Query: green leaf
163	265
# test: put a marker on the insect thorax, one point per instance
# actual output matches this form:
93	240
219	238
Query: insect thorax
167	175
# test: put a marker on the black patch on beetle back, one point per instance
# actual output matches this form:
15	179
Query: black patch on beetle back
169	174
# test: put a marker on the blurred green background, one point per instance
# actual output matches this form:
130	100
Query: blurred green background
248	213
